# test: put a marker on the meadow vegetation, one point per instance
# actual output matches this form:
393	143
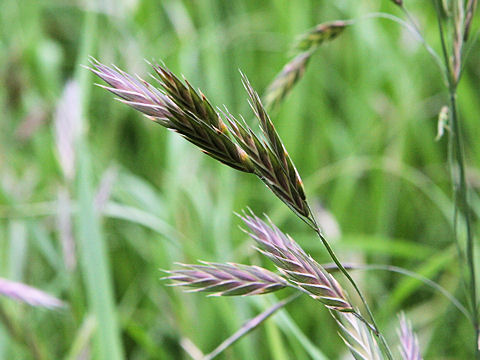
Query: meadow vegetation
95	199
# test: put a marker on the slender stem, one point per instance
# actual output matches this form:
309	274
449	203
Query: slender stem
460	189
443	42
337	262
432	52
249	326
409	26
376	330
462	202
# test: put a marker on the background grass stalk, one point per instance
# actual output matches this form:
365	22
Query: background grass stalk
344	271
460	189
462	202
93	253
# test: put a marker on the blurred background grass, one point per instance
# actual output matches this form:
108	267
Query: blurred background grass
360	128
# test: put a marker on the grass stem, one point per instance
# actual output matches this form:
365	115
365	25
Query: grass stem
460	188
344	271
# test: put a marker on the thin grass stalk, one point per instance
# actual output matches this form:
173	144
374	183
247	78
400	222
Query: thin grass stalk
344	271
462	203
460	189
249	326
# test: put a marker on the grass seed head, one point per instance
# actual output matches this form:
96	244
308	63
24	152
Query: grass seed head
177	106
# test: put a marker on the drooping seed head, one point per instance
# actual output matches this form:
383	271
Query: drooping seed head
178	107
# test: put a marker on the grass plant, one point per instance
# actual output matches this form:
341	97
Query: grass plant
358	116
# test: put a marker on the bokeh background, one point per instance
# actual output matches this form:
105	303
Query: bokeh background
95	199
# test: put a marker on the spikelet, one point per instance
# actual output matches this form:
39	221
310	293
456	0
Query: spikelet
409	347
305	48
227	279
285	81
357	337
298	267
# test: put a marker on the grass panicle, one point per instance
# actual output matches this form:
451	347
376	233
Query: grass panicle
298	267
358	337
227	279
409	348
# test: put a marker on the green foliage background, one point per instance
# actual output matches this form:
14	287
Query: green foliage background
360	127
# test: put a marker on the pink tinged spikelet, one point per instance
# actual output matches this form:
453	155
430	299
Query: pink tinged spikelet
227	279
409	348
27	294
296	265
358	338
